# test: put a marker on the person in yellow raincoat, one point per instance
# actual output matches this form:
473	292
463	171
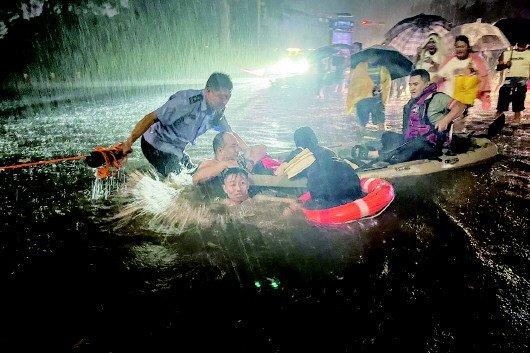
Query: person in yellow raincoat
368	92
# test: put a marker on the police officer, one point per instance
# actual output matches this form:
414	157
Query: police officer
181	120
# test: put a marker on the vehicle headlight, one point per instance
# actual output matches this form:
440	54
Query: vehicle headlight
290	66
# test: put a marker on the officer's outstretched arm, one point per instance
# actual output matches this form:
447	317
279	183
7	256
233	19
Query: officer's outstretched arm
138	130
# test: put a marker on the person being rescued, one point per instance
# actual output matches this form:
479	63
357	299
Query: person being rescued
235	184
427	118
227	154
330	179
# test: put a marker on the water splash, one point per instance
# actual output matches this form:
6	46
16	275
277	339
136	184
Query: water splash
103	189
164	206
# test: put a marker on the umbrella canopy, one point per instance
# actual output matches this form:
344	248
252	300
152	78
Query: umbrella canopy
397	64
411	33
482	36
515	29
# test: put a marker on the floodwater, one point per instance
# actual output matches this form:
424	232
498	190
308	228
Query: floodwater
444	269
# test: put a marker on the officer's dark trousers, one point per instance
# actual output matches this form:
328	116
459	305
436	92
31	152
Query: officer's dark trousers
163	162
395	151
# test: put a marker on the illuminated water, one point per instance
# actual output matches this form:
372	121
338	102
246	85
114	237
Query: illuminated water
444	269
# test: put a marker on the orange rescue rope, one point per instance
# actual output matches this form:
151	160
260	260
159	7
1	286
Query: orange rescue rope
113	161
111	158
34	164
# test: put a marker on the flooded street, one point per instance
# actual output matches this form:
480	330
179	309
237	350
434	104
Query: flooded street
444	269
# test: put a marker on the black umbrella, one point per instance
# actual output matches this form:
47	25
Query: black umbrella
396	63
330	50
340	46
515	29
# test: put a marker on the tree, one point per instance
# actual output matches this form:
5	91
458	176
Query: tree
464	11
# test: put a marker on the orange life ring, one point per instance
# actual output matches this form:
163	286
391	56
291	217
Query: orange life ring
379	195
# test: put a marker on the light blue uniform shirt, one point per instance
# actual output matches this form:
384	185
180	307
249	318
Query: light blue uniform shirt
183	118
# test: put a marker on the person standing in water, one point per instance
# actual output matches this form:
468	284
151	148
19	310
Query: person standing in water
187	114
515	63
368	92
465	62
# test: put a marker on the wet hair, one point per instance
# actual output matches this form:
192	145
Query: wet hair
424	74
218	141
304	137
233	170
462	38
218	81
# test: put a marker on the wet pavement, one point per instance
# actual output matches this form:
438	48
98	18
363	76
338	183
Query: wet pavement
444	269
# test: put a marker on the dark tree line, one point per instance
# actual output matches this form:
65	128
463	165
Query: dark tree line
464	11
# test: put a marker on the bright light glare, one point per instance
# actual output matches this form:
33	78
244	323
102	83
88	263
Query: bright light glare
290	66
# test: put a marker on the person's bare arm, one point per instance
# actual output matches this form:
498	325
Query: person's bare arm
210	169
138	130
292	203
456	111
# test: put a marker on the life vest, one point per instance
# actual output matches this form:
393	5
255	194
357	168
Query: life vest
418	123
379	195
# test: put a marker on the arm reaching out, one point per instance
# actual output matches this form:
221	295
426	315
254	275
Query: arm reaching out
138	130
457	109
210	169
292	204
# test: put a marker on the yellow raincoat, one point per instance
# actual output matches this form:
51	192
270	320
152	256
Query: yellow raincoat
361	85
466	88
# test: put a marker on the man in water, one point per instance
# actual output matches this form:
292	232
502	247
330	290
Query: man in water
187	114
227	153
236	184
426	121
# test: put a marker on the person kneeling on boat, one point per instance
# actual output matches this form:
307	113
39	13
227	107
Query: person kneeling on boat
235	184
331	180
427	118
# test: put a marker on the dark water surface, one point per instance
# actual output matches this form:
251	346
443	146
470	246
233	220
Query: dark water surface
444	269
